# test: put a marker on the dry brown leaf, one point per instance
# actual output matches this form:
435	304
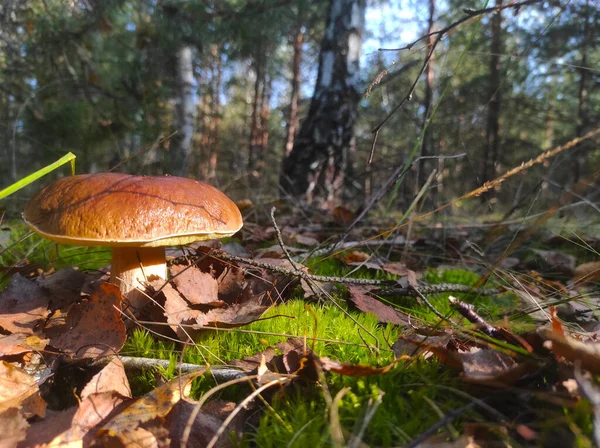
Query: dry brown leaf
356	370
44	431
307	239
234	315
197	287
177	310
92	328
587	353
398	268
63	286
18	343
356	256
157	403
111	378
342	215
367	304
23	306
275	361
138	438
91	412
16	387
587	273
13	427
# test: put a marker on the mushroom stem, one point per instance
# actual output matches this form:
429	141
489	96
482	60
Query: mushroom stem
131	266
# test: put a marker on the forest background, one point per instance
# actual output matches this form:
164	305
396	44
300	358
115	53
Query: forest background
221	91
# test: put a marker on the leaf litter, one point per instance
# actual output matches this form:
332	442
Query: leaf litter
74	315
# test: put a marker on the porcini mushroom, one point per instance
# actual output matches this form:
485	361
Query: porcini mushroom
137	216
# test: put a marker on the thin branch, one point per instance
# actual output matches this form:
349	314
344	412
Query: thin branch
440	34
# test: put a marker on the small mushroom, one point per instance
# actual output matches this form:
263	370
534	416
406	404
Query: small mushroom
137	216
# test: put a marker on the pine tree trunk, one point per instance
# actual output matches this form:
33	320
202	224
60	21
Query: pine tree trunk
255	132
490	155
582	120
292	123
181	142
217	111
426	144
315	168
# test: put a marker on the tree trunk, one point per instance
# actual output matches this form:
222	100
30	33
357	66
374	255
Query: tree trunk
292	123
315	168
582	120
181	142
426	142
217	108
490	155
255	132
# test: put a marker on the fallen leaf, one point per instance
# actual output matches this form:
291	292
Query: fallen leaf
94	327
176	309
307	239
23	306
111	378
14	427
367	304
91	412
197	287
18	343
157	403
342	215
587	273
587	353
44	431
273	357
234	315
16	388
63	286
137	438
355	256
356	370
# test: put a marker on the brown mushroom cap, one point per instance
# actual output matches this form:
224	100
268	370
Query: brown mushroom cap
121	210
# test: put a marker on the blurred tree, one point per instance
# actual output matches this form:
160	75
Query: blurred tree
316	166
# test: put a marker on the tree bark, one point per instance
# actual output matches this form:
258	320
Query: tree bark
490	155
181	142
314	170
426	142
292	123
582	120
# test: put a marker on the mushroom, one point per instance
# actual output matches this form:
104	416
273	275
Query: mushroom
137	216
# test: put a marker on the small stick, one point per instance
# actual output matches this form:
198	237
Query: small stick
222	373
468	312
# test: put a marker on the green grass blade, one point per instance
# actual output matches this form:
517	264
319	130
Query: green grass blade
69	157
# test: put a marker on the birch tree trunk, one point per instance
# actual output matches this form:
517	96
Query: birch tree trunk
185	114
314	170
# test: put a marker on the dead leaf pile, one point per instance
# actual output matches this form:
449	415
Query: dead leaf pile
107	415
213	293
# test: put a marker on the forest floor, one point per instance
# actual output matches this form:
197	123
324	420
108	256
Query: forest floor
450	335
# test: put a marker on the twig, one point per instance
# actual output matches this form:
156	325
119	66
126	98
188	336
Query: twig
425	289
469	15
468	312
221	373
441	288
428	303
280	240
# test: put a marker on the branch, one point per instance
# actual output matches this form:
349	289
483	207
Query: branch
440	34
